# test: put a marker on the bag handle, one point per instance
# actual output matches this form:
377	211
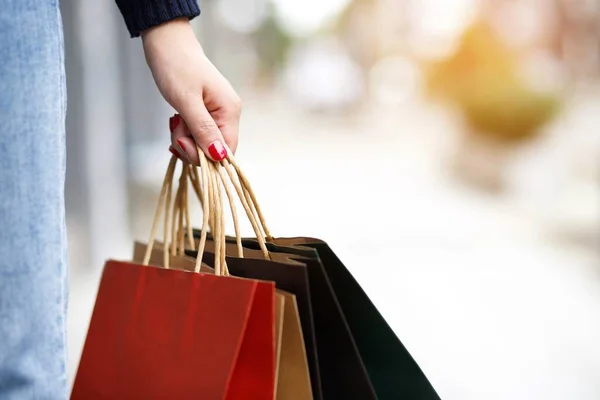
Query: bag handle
249	207
227	174
161	204
179	213
212	209
248	193
193	175
219	220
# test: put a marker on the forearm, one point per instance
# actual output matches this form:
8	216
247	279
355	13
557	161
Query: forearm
140	15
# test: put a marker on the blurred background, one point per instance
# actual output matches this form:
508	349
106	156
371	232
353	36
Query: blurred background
448	150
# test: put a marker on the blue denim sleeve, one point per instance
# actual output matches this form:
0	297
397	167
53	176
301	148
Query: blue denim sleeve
143	14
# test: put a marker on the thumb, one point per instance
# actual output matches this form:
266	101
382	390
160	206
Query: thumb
205	132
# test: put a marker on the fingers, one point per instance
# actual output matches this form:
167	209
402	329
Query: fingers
227	118
186	145
230	127
181	140
205	132
215	133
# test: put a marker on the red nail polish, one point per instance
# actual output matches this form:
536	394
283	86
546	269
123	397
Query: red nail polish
172	150
217	151
181	152
174	122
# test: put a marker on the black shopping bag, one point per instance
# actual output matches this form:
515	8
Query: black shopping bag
293	278
358	356
358	353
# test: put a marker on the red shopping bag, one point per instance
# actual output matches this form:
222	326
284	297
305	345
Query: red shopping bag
159	333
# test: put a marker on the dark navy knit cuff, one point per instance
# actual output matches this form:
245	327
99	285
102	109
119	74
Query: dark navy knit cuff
140	15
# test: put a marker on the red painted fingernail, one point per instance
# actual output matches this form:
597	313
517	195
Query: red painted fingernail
172	150
174	122
183	155
217	151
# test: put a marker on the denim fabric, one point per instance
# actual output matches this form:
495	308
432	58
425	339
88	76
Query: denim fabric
33	257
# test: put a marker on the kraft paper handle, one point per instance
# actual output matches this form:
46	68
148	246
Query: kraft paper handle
212	204
216	219
176	233
188	219
245	198
217	175
193	175
239	188
212	207
182	219
248	194
195	185
219	220
159	208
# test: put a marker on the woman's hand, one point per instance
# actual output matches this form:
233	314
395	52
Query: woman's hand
209	106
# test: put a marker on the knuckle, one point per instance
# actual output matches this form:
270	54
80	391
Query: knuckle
236	104
206	126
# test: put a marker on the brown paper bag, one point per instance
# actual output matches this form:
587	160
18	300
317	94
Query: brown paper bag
292	374
279	309
293	379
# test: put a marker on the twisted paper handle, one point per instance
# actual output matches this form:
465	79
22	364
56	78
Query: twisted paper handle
249	195
227	172
212	212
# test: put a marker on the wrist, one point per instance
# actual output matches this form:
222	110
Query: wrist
179	27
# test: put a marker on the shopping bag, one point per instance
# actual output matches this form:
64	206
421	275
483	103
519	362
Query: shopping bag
279	308
293	380
165	333
339	366
291	277
292	372
358	353
159	333
392	370
291	368
336	360
334	340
